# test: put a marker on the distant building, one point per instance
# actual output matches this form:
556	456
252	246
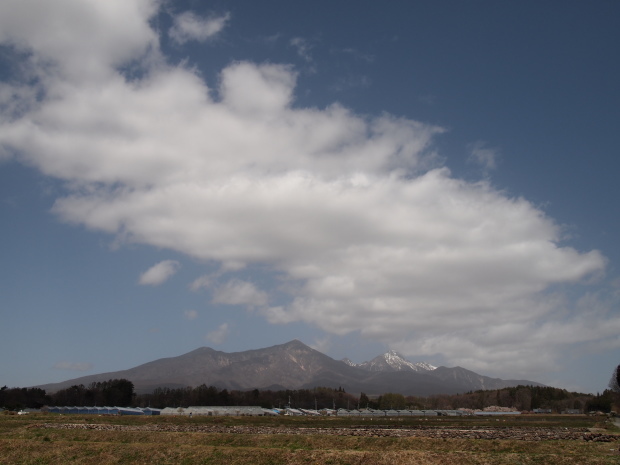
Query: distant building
235	411
571	411
66	410
541	410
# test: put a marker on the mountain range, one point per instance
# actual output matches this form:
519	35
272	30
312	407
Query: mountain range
294	365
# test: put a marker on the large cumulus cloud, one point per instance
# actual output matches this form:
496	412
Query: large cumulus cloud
352	211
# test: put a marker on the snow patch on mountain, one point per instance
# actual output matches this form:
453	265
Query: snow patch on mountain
391	361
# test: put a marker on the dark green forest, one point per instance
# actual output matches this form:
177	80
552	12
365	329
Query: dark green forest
120	392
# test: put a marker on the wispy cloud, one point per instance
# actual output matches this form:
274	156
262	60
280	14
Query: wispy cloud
159	273
322	344
483	155
427	99
188	26
351	82
202	282
303	48
190	315
355	53
239	292
219	335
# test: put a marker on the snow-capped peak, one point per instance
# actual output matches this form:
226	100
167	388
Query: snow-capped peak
398	362
392	361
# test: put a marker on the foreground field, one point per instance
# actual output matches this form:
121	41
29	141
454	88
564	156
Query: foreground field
286	440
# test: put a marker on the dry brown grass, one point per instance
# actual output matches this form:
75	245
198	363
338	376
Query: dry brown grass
23	441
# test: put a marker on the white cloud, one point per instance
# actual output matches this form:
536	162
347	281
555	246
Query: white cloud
159	273
232	265
219	335
73	366
351	211
72	37
190	314
188	26
238	292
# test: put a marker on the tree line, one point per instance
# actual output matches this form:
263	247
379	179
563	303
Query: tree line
320	397
120	392
114	392
522	398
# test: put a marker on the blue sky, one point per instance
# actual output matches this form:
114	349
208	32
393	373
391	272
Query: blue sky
436	178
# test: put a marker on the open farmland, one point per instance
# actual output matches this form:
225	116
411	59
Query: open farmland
289	440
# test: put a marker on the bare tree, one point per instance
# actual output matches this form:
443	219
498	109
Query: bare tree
614	382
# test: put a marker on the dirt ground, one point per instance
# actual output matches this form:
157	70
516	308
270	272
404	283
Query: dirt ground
476	432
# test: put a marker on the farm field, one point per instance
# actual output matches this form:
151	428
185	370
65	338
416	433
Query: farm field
45	438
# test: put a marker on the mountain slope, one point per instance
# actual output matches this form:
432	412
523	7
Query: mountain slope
294	366
473	381
290	365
